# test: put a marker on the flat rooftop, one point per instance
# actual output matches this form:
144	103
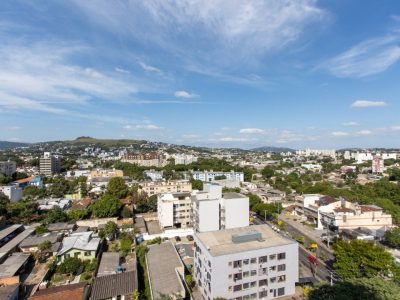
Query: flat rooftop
220	242
12	264
162	261
232	195
6	231
108	264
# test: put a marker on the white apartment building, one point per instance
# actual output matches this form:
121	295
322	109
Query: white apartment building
13	192
173	210
362	157
212	210
184	159
378	165
153	174
49	164
316	152
7	168
252	262
163	187
146	159
208	176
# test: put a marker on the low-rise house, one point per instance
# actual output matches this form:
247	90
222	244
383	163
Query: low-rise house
165	271
75	291
49	204
61	227
13	265
153	174
116	286
109	264
31	244
9	292
32	180
83	245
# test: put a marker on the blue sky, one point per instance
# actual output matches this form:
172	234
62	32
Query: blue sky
298	73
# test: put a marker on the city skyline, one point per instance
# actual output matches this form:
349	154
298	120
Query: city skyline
292	74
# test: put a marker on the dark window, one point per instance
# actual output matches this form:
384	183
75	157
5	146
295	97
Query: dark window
282	267
263	294
282	255
263	259
263	282
281	291
237	288
237	276
237	263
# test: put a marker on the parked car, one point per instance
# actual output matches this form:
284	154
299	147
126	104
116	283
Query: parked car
190	238
177	238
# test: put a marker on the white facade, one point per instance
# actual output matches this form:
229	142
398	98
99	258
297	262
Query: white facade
154	175
378	165
7	168
317	152
184	159
14	193
212	210
173	209
251	262
208	176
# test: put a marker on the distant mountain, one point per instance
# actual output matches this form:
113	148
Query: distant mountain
273	149
10	145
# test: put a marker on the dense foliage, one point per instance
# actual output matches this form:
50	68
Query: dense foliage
106	206
392	238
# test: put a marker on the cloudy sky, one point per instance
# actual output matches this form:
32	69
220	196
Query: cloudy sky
296	73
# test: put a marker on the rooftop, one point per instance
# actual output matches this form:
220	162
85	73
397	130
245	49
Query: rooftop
107	287
5	232
63	292
108	264
12	264
220	242
60	226
232	195
81	241
7	290
162	261
33	241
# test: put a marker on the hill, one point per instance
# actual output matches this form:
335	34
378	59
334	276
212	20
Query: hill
273	149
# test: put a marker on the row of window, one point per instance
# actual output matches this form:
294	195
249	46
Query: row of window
253	284
262	271
261	259
263	294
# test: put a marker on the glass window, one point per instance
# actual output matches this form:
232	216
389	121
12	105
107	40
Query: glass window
246	274
282	255
253	296
237	263
246	261
272	268
246	285
282	267
272	256
253	284
272	279
263	282
281	291
253	260
263	294
282	278
263	259
237	288
253	272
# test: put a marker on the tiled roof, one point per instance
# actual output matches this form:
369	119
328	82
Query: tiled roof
367	208
63	292
24	180
110	286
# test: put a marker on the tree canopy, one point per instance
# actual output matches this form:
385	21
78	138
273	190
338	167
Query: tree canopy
392	237
106	206
117	187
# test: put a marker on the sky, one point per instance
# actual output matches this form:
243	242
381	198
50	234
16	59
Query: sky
287	73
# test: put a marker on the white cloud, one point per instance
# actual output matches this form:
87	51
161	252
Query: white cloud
149	68
370	57
364	132
395	128
146	127
252	130
340	133
351	124
123	71
184	94
367	103
230	139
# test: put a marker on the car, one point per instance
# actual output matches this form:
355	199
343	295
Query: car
190	238
177	238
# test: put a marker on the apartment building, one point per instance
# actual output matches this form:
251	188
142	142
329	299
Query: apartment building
378	165
173	210
102	173
146	159
184	159
13	192
153	174
163	187
208	176
49	164
252	262
7	168
213	210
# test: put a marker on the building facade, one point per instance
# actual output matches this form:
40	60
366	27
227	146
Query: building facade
146	159
378	165
184	159
251	262
49	164
208	176
173	210
14	193
163	187
7	168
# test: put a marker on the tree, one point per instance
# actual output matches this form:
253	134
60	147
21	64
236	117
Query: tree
197	184
78	214
3	203
55	215
106	206
117	187
356	289
267	172
111	230
253	200
41	230
70	265
189	280
357	259
45	245
392	237
126	212
33	192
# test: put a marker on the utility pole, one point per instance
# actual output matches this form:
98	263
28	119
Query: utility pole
265	215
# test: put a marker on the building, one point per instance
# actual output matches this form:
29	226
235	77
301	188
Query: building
163	187
208	176
109	264
316	152
184	159
102	173
14	193
378	165
8	168
165	271
212	210
31	244
312	167
119	286
9	292
50	203
153	174
76	291
83	245
173	209
49	164
146	159
32	180
14	264
252	262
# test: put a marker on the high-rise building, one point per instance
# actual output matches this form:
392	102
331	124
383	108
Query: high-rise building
7	168
214	210
173	209
378	165
49	164
252	262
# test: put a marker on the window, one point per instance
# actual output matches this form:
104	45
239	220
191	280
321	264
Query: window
230	289
282	278
263	259
272	256
237	288
237	276
253	272
282	267
263	271
272	268
263	282
253	284
237	263
282	255
230	264
76	254
246	261
272	279
246	274
246	285
281	291
230	276
87	253
263	294
253	296
253	260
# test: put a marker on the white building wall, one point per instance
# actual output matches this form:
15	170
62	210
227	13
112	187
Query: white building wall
14	193
208	215
165	211
236	212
